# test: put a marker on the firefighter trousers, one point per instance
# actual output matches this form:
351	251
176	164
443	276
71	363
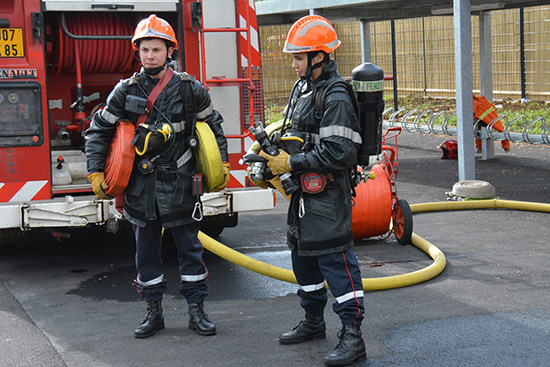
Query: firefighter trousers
343	276
150	281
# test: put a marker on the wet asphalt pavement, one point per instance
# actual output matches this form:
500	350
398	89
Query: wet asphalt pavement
73	303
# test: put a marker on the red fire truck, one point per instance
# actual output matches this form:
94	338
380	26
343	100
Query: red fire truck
59	60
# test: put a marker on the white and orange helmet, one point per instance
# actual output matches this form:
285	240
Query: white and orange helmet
311	33
154	27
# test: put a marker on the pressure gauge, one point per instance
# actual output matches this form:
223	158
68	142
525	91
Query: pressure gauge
1	98
13	97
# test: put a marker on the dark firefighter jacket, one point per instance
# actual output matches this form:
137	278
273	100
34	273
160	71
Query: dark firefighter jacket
321	223
167	190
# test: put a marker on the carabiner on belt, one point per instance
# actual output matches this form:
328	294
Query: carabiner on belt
197	212
301	207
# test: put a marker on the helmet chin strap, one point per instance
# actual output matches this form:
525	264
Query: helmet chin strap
310	68
154	71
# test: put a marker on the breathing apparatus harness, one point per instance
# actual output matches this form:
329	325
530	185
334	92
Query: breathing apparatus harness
293	141
324	88
290	140
312	182
148	137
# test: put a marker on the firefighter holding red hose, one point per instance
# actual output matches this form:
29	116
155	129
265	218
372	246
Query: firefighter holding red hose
319	216
164	105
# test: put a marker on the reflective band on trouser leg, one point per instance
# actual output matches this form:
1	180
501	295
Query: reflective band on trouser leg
193	278
341	270
192	269
348	296
312	287
312	292
150	281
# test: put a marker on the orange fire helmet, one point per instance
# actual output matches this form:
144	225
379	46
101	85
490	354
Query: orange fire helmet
311	33
154	27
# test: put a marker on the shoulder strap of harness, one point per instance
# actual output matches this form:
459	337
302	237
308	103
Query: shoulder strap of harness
189	106
155	93
324	90
327	88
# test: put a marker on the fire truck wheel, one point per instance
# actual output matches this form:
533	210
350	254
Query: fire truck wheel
402	222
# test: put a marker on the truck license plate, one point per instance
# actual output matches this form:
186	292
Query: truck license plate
11	42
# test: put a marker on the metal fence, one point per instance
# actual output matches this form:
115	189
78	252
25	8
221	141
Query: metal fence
424	52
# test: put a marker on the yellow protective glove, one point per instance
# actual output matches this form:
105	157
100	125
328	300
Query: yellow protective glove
278	164
262	184
226	177
99	184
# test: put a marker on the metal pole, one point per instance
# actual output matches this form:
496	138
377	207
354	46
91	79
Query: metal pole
486	75
463	66
485	55
522	51
394	65
365	41
424	57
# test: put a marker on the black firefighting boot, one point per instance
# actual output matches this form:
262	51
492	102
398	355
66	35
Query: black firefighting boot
312	328
198	320
350	347
153	322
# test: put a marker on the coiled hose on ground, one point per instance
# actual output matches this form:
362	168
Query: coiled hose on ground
375	284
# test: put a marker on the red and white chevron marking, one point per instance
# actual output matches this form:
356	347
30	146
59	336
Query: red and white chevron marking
12	192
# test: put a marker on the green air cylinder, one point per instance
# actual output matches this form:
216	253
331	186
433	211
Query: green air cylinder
368	81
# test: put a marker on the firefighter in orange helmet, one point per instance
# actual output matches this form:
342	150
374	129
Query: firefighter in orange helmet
159	192
319	224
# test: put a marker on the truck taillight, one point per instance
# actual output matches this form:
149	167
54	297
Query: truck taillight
21	118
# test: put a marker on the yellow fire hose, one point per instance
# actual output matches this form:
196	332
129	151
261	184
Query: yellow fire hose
375	284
